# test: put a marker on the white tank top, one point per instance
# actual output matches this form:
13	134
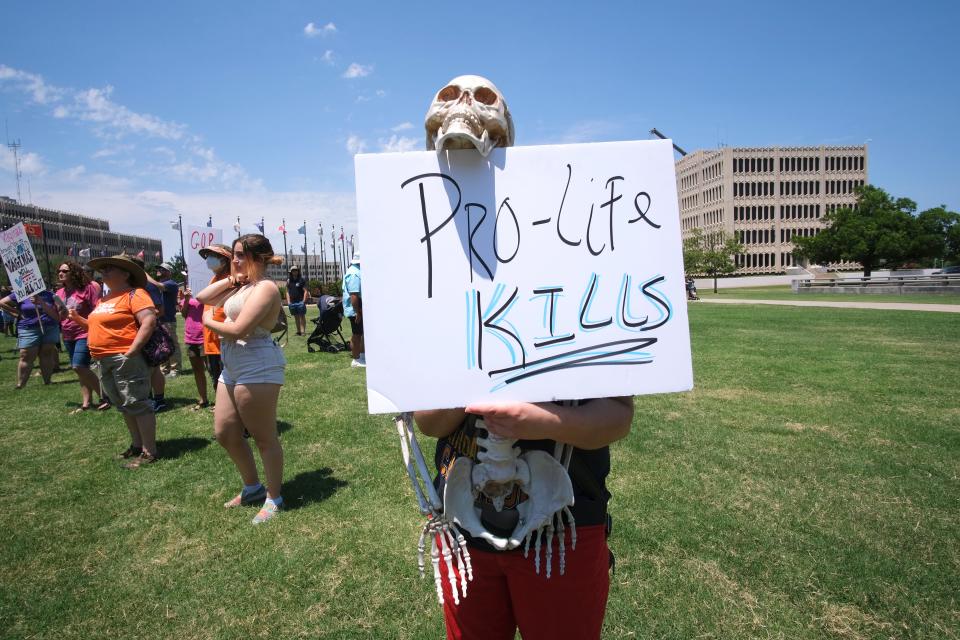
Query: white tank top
235	303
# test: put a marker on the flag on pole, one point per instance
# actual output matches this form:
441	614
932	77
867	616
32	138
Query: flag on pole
175	224
302	230
70	251
85	253
156	254
282	229
209	221
236	227
259	226
140	255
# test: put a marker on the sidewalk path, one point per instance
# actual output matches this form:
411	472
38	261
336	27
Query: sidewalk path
890	306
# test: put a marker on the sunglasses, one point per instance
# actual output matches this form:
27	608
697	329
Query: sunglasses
63	270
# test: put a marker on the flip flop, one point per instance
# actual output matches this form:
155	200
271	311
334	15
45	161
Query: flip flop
104	405
199	405
81	409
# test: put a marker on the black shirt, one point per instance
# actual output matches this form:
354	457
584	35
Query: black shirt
295	288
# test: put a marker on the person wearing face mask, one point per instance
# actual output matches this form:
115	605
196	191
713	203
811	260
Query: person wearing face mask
218	261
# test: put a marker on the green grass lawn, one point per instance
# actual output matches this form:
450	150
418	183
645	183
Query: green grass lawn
784	292
809	487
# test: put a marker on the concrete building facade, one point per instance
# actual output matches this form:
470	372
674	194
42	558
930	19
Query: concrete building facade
69	233
767	196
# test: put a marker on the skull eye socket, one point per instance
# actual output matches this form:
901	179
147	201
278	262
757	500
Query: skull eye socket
448	93
485	96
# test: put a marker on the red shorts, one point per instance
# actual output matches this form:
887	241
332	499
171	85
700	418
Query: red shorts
506	593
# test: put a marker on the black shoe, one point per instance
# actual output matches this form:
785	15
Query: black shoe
159	406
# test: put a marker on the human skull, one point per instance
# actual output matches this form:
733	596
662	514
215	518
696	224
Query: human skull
469	112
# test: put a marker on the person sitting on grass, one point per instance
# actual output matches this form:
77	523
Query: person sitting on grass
253	371
117	330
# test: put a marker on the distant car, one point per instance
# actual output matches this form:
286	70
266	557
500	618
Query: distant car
954	269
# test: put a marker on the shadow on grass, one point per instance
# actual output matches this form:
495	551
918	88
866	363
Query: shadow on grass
310	486
176	447
283	426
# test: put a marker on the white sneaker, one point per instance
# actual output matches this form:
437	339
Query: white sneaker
363	359
358	363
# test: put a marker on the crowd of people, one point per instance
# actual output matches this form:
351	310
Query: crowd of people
107	314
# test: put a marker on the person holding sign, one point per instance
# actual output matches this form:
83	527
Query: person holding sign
217	257
253	371
80	295
118	329
38	332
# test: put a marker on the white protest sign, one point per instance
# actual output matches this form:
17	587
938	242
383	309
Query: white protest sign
535	274
20	262
199	238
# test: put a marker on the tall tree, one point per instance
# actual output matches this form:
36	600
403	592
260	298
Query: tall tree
938	235
710	254
879	230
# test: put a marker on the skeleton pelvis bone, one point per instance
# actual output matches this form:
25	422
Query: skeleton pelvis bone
539	476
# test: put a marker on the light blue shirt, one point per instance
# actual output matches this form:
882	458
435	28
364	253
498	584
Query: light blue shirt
351	284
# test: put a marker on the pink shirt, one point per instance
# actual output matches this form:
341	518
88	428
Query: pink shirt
83	300
193	324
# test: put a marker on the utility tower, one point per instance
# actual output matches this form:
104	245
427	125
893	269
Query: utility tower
15	147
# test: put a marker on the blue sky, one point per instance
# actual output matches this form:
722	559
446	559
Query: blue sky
135	111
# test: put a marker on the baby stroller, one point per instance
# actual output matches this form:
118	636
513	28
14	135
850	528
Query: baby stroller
328	323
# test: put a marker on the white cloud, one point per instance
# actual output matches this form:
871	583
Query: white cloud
328	57
381	93
31	164
355	145
399	143
358	70
190	162
312	30
403	126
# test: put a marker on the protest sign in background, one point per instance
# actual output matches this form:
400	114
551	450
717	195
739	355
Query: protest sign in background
20	262
535	274
197	238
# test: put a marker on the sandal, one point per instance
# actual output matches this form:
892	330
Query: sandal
199	405
104	405
131	452
80	409
141	460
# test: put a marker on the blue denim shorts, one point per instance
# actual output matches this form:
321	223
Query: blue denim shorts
29	337
79	353
298	308
258	361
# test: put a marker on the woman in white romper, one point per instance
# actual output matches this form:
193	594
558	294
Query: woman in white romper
253	367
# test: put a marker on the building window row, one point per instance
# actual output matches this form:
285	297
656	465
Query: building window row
713	217
688	181
845	163
800	211
842	186
800	188
833	207
787	260
753	165
755	260
752	189
799	164
713	194
753	213
713	171
756	236
787	234
690	201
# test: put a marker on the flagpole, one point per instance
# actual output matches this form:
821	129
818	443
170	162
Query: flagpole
323	259
306	265
183	256
333	253
286	254
343	251
238	226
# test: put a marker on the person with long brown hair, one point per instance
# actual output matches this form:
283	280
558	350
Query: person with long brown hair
81	296
253	371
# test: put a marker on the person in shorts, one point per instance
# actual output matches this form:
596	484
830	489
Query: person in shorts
297	298
353	309
38	332
117	331
253	371
81	295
